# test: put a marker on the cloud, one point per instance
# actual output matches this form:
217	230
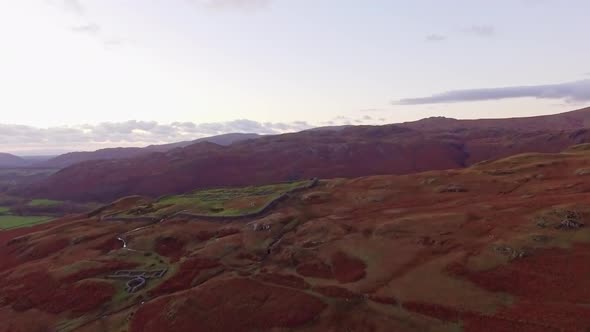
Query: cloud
94	30
343	120
74	6
115	43
481	30
129	133
534	2
27	139
435	37
233	4
90	28
571	92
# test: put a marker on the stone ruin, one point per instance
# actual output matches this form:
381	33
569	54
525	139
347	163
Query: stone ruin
566	220
135	284
137	279
258	227
571	220
452	188
511	253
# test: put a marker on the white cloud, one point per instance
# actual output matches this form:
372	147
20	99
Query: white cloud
90	28
86	137
233	4
129	133
435	37
74	6
481	30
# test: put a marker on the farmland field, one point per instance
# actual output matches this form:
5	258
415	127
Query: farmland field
11	222
44	202
218	202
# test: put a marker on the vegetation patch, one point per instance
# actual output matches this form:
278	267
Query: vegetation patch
12	222
44	203
222	202
39	209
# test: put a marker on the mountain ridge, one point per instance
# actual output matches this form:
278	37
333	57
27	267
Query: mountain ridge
72	158
10	160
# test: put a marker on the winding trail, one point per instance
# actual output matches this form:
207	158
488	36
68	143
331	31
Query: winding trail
123	238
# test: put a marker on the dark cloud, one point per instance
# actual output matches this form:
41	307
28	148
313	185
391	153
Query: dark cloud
571	92
91	28
129	133
481	30
233	4
435	37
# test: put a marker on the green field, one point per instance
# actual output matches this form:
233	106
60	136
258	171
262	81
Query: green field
44	203
18	212
218	202
10	222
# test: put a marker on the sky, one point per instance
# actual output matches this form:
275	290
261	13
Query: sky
86	74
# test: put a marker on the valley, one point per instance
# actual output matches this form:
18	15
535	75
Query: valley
500	245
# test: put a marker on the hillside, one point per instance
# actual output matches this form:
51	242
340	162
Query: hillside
8	160
72	158
569	121
350	152
500	246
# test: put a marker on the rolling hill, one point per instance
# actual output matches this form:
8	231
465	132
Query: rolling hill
500	246
72	158
569	121
9	160
430	144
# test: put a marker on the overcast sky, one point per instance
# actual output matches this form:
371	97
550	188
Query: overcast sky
83	74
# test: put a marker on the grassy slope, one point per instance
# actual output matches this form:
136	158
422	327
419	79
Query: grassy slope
44	203
223	201
11	222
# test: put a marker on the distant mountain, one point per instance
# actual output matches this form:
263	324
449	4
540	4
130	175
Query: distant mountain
330	128
573	120
9	160
431	144
37	159
72	158
224	140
